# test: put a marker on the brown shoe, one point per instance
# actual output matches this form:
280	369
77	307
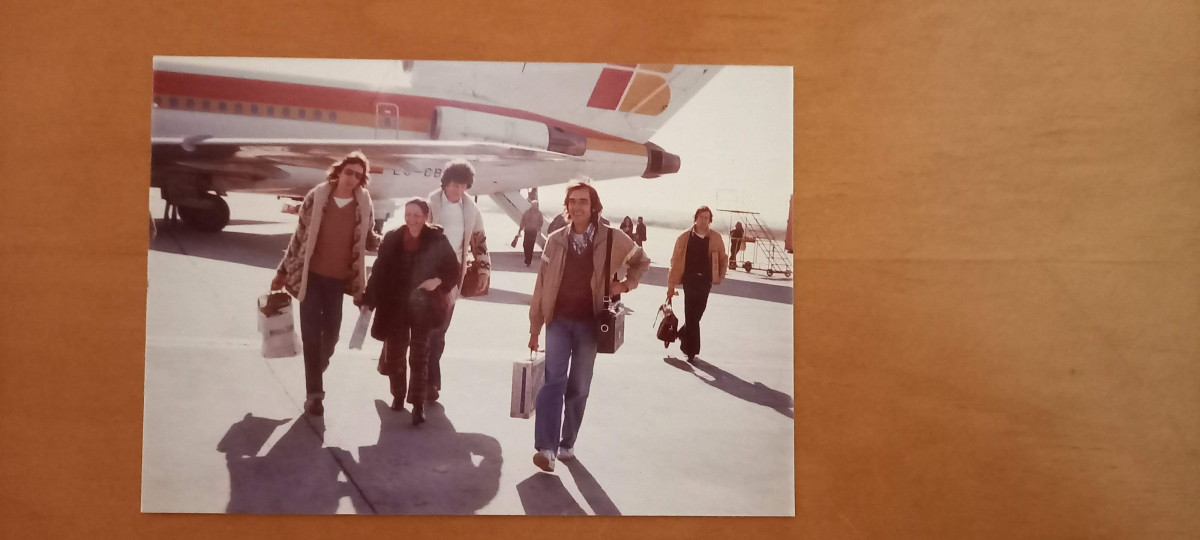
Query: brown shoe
418	414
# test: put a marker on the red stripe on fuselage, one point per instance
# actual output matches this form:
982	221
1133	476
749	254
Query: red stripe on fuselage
330	98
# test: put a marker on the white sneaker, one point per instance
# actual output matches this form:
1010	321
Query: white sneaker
544	459
566	454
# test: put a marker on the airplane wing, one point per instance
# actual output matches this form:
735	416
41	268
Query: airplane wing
239	164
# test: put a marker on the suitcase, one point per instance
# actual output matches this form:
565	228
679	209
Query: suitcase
528	376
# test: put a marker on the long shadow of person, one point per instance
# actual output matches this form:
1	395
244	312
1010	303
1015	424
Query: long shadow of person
731	384
296	476
595	495
430	469
545	495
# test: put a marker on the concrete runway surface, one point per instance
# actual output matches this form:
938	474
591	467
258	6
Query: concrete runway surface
223	429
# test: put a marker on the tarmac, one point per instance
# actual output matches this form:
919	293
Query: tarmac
224	432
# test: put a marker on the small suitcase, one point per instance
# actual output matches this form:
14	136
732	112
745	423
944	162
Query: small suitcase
528	376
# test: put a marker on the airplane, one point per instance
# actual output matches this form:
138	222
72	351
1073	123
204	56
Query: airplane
273	126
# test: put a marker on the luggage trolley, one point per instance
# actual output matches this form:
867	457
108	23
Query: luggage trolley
768	253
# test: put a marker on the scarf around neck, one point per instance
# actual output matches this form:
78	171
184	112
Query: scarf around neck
580	242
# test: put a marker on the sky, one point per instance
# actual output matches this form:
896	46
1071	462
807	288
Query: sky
734	141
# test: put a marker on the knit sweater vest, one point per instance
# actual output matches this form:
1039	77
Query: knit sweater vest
333	252
575	290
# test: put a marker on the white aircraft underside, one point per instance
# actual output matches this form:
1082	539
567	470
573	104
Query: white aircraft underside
219	129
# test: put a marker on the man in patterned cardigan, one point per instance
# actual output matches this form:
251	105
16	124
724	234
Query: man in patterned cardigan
324	260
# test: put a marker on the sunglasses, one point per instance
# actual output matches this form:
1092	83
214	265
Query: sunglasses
355	174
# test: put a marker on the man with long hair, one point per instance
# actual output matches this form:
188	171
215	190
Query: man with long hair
325	260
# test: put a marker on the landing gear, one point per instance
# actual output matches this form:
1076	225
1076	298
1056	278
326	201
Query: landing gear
208	213
747	266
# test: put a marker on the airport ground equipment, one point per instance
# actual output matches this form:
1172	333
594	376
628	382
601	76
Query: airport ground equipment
767	252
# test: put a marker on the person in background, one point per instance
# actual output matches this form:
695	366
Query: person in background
735	243
639	231
531	227
459	217
569	292
698	263
325	260
627	226
557	223
409	289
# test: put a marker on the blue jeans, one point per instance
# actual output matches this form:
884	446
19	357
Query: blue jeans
570	358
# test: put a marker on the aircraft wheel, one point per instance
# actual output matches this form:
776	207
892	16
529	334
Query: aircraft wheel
787	273
211	219
747	267
770	272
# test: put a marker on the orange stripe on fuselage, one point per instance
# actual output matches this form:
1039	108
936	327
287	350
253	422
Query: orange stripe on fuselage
356	106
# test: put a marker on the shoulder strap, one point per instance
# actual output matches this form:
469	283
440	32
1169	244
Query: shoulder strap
607	263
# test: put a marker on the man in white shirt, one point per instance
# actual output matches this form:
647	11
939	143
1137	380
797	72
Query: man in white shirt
458	216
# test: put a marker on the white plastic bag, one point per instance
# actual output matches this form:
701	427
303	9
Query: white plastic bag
276	321
527	379
360	328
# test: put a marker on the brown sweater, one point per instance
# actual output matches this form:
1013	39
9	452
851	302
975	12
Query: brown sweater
333	253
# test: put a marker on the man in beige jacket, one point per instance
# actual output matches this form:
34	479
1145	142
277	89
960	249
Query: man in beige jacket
570	291
698	262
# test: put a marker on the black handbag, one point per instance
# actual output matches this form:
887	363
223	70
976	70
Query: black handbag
610	322
668	329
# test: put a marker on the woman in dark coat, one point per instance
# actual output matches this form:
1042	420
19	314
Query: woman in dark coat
409	289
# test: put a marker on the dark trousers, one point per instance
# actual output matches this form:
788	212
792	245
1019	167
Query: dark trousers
413	339
530	240
320	322
734	244
437	345
695	301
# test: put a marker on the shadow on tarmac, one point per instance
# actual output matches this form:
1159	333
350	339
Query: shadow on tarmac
545	495
252	249
297	476
501	296
430	469
731	384
595	495
266	250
